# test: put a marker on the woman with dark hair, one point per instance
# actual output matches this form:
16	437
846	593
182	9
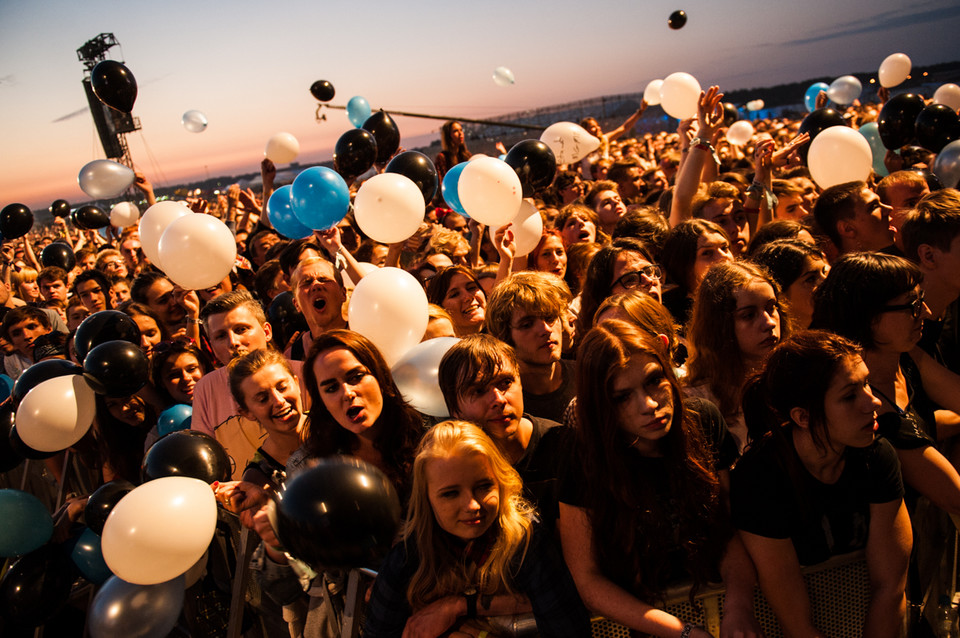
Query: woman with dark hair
737	320
152	330
549	255
799	267
688	251
121	430
175	369
817	483
643	511
470	530
454	148
875	300
357	409
458	291
624	265
779	229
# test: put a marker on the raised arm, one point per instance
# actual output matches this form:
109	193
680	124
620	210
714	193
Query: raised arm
710	118
628	123
599	593
140	181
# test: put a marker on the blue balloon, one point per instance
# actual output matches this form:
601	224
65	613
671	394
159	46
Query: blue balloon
174	418
810	97
280	213
871	131
358	110
320	198
25	523
449	188
6	386
88	557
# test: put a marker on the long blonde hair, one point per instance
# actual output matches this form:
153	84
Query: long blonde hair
442	571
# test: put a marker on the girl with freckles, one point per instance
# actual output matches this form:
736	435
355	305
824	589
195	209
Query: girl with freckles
470	550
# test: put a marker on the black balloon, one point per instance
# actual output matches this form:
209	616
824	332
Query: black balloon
58	254
933	182
9	457
677	19
116	368
60	208
897	120
36	586
322	90
102	502
386	133
418	168
284	318
114	85
16	220
814	123
341	513
730	114
90	217
355	152
936	126
104	326
534	163
40	372
187	453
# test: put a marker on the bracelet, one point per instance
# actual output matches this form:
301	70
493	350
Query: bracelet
688	629
195	322
703	144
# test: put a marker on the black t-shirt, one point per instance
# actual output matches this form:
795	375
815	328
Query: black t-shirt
541	464
914	426
822	520
552	404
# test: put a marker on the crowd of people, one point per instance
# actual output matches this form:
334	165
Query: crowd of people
709	370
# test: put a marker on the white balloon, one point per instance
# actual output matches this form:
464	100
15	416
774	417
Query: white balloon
839	154
527	228
416	375
490	191
154	221
569	142
389	207
948	94
159	530
947	165
894	69
679	95
197	251
389	307
845	89
124	214
56	413
503	76
740	132
755	105
365	268
282	148
194	121
103	179
651	94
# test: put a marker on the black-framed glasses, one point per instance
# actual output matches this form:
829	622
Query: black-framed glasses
915	307
634	278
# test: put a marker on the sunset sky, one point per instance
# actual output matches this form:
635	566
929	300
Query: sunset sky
249	65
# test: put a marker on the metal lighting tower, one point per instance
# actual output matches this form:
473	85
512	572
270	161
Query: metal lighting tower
112	125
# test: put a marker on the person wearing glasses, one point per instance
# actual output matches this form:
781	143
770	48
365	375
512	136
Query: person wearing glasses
875	300
624	265
528	311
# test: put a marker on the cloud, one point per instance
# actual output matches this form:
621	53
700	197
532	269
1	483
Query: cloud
885	21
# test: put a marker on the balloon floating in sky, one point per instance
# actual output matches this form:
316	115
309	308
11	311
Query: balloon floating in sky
755	105
358	110
322	90
677	19
894	69
114	85
651	94
503	76
194	121
282	148
60	208
845	89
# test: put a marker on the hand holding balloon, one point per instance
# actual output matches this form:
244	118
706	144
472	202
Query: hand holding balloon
239	496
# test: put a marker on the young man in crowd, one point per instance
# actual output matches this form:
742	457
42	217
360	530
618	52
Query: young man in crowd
21	327
854	219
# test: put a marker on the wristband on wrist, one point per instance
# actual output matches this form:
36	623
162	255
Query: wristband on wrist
699	142
688	629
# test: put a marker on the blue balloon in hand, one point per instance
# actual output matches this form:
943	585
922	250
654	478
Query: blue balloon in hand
810	97
177	417
320	198
449	188
25	523
358	110
281	215
88	557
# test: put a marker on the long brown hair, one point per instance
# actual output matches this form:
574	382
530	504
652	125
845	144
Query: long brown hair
630	521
